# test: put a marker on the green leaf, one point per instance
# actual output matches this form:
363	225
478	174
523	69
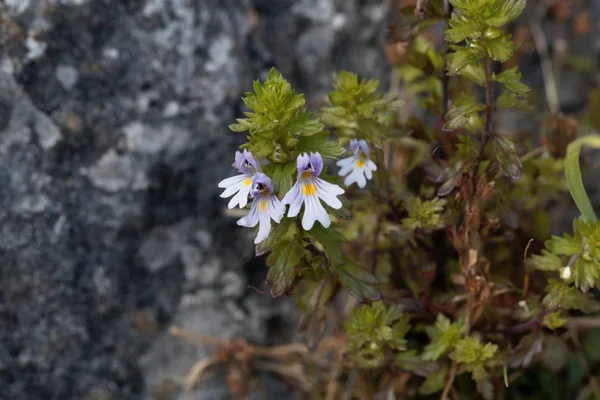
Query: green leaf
505	11
500	48
443	337
573	175
360	282
547	261
461	28
282	176
435	382
283	266
464	114
322	143
286	229
276	119
374	328
560	294
511	78
331	240
509	99
410	361
567	245
553	320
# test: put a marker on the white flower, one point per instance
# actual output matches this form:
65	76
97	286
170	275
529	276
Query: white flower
240	185
265	207
308	189
358	166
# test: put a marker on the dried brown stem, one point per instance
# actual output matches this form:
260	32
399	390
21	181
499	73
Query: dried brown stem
450	381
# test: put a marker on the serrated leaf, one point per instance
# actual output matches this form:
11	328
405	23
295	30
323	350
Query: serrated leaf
322	143
499	49
547	261
360	282
283	266
508	11
511	78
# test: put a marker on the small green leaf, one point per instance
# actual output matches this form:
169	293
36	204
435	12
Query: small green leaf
553	320
547	261
283	265
321	143
511	78
500	48
509	99
443	337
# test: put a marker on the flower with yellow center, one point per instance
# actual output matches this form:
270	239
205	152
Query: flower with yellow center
309	189
265	207
240	185
358	168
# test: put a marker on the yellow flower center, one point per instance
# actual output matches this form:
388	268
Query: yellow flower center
309	189
360	163
306	174
247	182
262	206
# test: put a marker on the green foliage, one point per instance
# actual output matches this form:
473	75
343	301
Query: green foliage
374	328
277	119
357	109
423	214
444	337
407	256
465	114
583	266
474	356
561	295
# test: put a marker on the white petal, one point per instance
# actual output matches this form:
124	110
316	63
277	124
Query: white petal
231	190
240	198
372	166
294	199
345	161
346	169
276	209
314	211
234	180
361	181
264	226
354	177
368	173
330	187
251	219
310	214
328	196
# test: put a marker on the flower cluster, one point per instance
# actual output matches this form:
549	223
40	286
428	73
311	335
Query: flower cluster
309	189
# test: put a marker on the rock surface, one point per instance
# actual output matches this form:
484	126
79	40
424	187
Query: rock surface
113	136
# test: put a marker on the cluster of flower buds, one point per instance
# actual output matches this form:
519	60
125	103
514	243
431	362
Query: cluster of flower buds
308	190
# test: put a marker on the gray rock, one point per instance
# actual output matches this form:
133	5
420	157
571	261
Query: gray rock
113	137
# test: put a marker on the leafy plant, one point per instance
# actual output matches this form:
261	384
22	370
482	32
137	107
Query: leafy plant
426	271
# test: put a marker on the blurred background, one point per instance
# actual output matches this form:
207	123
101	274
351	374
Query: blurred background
113	137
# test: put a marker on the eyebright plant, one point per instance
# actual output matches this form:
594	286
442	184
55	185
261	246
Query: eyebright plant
424	212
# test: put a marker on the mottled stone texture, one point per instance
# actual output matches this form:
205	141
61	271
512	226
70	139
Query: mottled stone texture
113	135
